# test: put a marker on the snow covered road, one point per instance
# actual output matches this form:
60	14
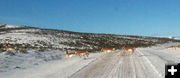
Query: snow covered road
145	63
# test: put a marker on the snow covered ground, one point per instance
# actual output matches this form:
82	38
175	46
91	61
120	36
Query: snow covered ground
26	60
144	63
45	64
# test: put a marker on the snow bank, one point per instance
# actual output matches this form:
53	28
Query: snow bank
26	60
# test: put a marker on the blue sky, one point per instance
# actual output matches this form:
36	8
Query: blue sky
130	17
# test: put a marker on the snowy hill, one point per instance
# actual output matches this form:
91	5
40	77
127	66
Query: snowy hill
37	38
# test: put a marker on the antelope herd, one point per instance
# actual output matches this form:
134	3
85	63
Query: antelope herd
128	51
81	53
84	53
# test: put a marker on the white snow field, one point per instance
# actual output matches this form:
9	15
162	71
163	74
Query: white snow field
144	63
46	64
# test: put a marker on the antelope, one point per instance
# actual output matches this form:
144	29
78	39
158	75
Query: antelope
10	49
82	53
105	50
68	55
128	50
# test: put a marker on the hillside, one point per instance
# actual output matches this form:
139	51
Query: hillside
38	38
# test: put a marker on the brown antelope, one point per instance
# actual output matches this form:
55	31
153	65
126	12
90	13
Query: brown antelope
106	50
128	50
82	53
68	55
10	49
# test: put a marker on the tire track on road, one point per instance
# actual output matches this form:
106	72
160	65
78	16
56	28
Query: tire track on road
153	67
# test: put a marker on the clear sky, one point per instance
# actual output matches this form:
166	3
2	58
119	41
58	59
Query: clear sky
131	17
